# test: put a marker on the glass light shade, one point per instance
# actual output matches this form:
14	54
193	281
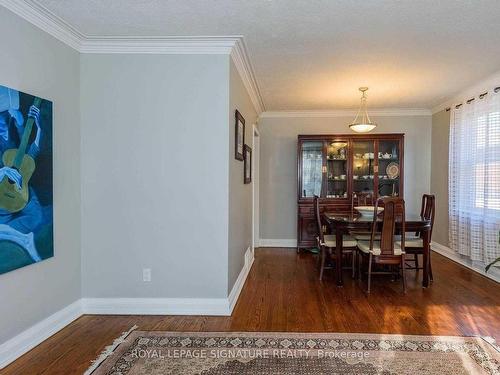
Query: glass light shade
363	128
362	122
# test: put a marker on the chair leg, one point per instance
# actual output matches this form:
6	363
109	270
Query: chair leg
369	273
403	269
430	268
360	263
416	261
322	266
354	255
394	272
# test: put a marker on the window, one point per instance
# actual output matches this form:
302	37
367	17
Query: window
474	183
487	172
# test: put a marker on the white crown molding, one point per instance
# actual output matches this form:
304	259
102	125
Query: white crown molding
45	20
225	45
242	62
198	45
185	45
389	112
234	46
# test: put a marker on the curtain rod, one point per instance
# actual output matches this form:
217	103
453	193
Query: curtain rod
480	96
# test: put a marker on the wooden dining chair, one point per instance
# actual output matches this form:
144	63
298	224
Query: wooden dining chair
415	244
385	251
363	198
327	244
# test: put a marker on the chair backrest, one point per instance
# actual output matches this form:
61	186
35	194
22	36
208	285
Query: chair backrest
317	215
364	198
428	209
394	211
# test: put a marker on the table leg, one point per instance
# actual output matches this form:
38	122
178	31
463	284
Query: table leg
427	249
338	257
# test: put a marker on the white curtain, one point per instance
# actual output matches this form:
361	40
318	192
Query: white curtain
474	179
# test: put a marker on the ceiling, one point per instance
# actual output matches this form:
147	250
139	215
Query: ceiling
314	54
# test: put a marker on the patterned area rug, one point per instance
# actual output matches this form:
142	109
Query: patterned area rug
161	353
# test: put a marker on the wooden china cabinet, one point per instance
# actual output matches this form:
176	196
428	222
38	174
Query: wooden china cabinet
338	168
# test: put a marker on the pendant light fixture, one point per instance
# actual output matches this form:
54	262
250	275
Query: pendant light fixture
362	122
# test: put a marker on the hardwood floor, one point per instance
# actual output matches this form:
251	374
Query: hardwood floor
282	293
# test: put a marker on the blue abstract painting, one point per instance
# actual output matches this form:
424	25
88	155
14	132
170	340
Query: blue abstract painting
26	202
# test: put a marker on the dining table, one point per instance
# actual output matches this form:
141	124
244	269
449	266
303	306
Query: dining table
342	224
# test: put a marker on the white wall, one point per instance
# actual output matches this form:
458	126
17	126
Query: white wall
155	165
278	164
240	194
36	63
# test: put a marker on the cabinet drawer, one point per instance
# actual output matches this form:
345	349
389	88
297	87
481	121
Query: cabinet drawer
306	210
337	208
309	209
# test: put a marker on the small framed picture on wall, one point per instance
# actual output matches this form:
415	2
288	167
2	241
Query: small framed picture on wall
247	165
239	136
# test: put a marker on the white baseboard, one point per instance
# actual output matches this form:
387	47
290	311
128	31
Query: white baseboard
28	339
240	281
156	306
271	242
493	273
171	306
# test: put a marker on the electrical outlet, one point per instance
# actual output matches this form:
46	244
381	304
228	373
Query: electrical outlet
146	275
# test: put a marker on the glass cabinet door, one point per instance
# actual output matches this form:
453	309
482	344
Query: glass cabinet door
389	168
311	155
336	169
363	173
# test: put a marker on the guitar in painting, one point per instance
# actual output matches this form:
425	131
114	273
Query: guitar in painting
13	198
26	183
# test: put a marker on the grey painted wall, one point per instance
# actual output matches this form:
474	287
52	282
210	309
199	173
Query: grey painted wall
278	164
34	62
439	174
240	194
155	159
